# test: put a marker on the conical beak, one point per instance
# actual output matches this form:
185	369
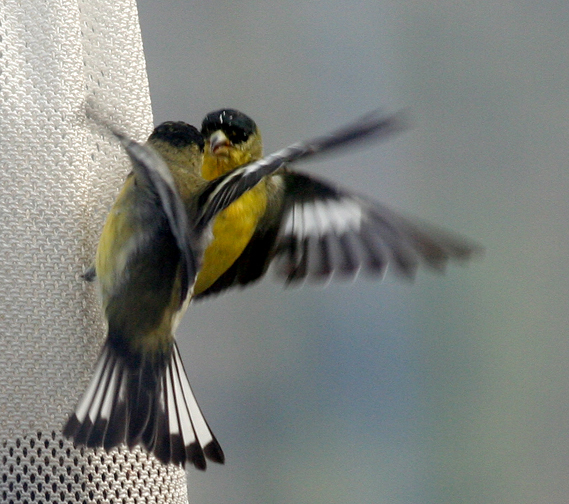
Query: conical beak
218	140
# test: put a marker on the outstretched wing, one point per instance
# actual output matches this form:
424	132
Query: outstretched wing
151	170
325	230
223	191
322	231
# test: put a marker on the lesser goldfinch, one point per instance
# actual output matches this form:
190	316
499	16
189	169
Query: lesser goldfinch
146	263
310	227
147	259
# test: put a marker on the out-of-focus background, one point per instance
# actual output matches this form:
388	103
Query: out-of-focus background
452	389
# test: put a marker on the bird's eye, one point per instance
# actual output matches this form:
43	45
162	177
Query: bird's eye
236	135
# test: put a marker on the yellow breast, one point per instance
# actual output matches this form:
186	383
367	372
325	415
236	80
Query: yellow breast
232	231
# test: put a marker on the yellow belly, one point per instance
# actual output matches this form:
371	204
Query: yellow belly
232	231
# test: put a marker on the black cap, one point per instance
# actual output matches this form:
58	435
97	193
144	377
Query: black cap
178	134
237	126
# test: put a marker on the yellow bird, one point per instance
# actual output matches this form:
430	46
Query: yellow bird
146	264
149	255
309	227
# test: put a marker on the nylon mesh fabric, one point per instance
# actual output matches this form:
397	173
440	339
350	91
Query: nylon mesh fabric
58	177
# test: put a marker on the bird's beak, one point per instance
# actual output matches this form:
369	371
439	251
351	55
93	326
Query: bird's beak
217	142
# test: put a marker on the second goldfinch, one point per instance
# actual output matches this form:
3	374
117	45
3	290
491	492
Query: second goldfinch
309	227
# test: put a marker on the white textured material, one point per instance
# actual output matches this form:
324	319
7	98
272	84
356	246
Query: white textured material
58	177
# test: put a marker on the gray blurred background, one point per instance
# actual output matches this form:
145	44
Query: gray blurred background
451	389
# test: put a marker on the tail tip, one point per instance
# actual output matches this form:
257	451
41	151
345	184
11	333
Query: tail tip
214	452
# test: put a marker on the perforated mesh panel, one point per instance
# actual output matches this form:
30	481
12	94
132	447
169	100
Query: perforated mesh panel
46	469
58	177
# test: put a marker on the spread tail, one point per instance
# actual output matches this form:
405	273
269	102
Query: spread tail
147	402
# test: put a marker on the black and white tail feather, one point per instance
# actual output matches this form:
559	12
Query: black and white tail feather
118	407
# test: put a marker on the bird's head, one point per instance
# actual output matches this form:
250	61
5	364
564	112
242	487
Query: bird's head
232	140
